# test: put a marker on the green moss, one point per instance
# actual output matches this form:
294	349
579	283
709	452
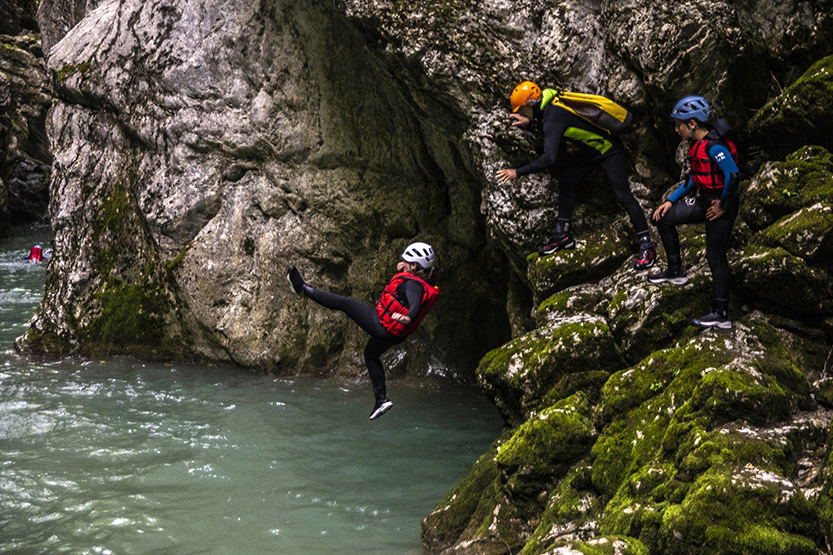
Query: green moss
69	69
131	317
524	372
46	341
113	212
731	512
172	265
546	446
725	395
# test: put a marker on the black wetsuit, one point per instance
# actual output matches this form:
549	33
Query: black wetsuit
596	149
692	210
367	318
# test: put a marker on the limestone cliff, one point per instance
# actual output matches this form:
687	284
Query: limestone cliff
201	147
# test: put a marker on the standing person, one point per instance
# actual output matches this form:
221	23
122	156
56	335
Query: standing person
714	175
405	301
597	148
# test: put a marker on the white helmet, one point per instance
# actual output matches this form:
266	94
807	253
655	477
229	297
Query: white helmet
421	253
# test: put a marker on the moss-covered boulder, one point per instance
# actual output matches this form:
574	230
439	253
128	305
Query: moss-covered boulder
534	371
543	449
778	189
801	111
714	444
788	207
596	256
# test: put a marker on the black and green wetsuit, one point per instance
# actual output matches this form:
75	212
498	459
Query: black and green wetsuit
596	148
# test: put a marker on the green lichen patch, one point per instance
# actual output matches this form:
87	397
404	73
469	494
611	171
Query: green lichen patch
66	71
113	212
131	317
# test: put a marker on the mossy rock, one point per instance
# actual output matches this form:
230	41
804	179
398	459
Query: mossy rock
740	511
595	257
571	512
776	276
801	111
726	394
807	234
455	512
603	545
544	448
779	189
521	376
645	317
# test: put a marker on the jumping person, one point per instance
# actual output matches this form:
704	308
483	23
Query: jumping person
597	148
405	301
714	175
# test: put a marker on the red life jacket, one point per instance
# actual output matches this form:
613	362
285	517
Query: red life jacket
705	174
390	303
36	255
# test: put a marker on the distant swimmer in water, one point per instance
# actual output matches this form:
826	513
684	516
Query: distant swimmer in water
36	255
405	301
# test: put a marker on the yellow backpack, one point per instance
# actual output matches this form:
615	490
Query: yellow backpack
598	110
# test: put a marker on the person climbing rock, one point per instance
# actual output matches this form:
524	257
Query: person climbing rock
596	148
404	302
714	177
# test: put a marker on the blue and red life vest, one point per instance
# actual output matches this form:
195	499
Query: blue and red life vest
36	255
390	303
705	173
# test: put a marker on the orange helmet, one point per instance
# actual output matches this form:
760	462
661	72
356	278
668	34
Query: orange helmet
523	93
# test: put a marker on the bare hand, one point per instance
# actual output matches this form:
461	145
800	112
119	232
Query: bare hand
714	211
505	175
401	318
520	121
661	210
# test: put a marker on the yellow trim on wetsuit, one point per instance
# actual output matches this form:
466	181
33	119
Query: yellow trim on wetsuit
594	140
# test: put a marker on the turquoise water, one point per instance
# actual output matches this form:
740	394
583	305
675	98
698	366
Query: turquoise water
121	456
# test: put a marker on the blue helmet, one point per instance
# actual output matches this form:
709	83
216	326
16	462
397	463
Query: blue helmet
692	107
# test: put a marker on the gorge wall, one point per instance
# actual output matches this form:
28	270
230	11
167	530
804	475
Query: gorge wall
199	148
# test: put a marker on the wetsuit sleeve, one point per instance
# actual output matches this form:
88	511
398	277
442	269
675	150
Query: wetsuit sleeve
721	156
413	292
553	131
682	190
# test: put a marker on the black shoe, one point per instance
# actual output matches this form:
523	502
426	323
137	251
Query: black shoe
668	276
296	280
556	243
713	320
382	406
647	256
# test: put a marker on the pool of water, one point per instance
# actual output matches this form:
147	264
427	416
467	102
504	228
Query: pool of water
123	456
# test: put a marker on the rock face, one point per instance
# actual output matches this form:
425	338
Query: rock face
25	98
201	147
192	169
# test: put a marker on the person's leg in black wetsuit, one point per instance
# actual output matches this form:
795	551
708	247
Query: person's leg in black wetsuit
365	316
692	210
615	166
